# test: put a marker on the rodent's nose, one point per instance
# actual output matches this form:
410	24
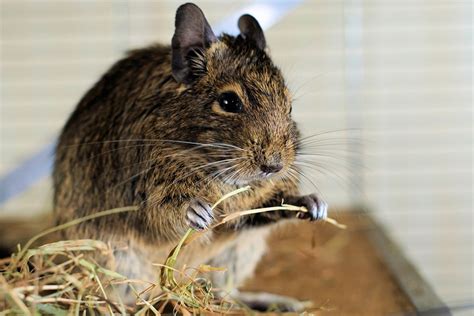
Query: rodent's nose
271	168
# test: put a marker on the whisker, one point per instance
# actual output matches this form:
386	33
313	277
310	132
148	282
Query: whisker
197	183
174	141
326	154
132	177
348	163
323	170
299	176
334	159
329	132
344	182
297	90
180	153
299	172
218	173
329	165
330	143
182	177
211	164
292	178
230	177
165	148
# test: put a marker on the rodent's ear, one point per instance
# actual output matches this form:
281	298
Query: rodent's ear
192	33
250	29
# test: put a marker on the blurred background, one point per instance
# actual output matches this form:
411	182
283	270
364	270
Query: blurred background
389	81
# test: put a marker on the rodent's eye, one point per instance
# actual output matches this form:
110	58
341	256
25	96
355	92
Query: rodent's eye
230	102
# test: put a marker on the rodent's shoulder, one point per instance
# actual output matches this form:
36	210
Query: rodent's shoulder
155	56
152	52
127	79
138	60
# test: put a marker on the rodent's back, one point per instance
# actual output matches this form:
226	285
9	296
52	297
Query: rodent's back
121	87
98	140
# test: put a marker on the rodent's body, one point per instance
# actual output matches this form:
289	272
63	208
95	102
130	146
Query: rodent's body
151	134
105	149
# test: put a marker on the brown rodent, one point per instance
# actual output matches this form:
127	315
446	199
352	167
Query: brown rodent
171	130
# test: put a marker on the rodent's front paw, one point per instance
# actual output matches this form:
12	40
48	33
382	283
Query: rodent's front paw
317	208
199	214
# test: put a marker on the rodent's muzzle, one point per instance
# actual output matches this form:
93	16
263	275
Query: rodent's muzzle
271	165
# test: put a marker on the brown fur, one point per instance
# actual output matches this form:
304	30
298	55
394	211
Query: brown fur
112	153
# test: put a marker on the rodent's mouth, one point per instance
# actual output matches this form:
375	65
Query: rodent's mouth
243	169
241	180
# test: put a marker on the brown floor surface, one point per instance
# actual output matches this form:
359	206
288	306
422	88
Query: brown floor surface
338	270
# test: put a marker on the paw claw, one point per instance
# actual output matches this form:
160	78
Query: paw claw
199	215
317	208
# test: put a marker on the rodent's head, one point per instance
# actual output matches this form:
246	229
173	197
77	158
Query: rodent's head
245	100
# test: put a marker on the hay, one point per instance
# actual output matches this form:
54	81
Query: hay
33	282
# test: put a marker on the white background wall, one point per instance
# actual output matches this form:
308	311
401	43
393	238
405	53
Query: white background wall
398	71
